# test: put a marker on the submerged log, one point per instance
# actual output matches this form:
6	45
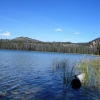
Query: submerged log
77	81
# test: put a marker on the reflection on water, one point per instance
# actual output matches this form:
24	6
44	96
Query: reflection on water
28	75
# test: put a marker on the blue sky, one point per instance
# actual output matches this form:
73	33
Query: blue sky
50	20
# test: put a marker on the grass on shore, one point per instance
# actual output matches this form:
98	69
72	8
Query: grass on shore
91	68
67	69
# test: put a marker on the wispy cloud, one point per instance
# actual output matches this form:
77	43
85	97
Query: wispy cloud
5	34
58	29
0	30
76	33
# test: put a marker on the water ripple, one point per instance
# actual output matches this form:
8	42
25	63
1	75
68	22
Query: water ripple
29	76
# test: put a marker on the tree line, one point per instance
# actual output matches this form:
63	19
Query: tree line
92	47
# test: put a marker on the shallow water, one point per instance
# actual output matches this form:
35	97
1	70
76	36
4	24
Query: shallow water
27	75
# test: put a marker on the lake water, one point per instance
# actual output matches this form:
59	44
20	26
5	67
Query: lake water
27	75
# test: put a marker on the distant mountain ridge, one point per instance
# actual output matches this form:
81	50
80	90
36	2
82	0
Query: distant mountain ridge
25	43
25	39
97	40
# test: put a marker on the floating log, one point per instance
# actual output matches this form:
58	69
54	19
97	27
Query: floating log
81	76
77	81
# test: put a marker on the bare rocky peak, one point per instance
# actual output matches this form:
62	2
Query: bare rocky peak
95	41
25	39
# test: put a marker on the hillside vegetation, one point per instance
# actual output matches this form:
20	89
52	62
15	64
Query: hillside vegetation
25	43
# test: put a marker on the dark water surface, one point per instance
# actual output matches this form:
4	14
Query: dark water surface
27	75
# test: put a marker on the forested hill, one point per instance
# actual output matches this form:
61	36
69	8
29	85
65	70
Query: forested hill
24	39
25	43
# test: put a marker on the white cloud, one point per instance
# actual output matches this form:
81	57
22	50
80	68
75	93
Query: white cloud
77	33
58	29
5	34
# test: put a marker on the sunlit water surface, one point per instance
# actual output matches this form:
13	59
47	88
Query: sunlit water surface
27	75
